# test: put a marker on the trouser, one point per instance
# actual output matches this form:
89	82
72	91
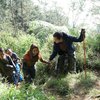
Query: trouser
20	78
29	73
10	74
17	77
66	63
14	78
2	72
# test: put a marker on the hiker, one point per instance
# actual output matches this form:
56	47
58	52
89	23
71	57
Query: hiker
7	67
29	61
16	61
63	46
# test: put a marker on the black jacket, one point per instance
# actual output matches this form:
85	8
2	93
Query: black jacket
68	44
7	66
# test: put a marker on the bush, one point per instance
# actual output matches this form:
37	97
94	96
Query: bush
19	44
42	29
89	81
94	51
59	86
31	93
41	76
24	42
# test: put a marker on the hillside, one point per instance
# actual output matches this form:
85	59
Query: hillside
26	23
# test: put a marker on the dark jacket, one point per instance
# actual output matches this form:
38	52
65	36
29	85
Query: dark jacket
15	57
66	46
7	66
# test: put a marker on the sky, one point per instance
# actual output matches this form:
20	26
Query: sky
84	17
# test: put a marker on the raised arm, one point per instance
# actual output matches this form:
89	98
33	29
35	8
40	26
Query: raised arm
75	39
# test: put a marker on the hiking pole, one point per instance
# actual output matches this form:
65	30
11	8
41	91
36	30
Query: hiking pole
84	48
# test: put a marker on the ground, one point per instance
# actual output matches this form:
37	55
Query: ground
71	87
81	92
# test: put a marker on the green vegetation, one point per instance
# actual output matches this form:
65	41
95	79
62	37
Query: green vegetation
22	22
67	86
25	92
64	86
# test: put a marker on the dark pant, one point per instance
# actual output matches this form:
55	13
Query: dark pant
8	73
66	63
15	77
29	73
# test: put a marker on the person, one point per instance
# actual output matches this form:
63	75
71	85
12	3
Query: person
15	59
7	67
29	61
63	46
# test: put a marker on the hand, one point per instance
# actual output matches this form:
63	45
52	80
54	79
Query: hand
9	66
50	63
83	33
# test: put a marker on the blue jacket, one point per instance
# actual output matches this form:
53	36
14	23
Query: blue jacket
68	44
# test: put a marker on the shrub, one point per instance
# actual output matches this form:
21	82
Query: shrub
59	86
42	29
31	93
89	81
94	51
19	44
24	42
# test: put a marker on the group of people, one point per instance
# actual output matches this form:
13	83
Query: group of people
10	63
10	66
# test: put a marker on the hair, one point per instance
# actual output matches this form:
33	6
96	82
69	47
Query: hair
30	54
58	35
1	50
33	47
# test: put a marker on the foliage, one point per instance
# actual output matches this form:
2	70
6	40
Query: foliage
19	44
28	93
42	30
93	48
89	81
59	86
23	23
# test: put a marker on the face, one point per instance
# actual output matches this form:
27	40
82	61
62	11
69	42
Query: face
56	40
9	53
1	55
35	51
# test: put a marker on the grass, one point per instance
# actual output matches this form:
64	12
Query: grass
71	84
89	81
94	92
23	93
59	86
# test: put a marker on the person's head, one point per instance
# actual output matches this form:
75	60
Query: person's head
8	51
58	37
34	50
1	53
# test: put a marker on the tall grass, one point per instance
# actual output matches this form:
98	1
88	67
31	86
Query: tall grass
26	92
